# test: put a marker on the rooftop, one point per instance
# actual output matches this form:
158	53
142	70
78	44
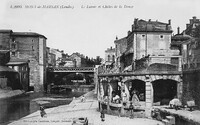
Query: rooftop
27	34
151	26
5	31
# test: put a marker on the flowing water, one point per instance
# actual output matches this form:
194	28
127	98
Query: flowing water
14	108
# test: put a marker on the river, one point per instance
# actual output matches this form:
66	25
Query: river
14	108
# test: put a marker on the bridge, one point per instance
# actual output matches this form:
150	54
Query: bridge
73	78
71	69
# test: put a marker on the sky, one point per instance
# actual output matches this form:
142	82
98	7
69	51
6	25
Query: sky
90	26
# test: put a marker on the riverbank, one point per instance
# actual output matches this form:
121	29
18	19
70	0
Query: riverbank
64	115
10	93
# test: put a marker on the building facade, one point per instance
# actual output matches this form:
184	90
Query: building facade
58	55
120	46
151	69
29	46
78	58
109	56
191	70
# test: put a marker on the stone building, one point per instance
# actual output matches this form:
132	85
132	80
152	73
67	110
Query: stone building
78	58
191	26
120	46
191	70
152	69
22	67
58	55
29	46
188	44
51	58
150	38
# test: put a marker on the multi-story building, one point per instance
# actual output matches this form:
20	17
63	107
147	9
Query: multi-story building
191	70
191	62
120	46
191	27
78	58
58	55
29	46
151	68
150	38
51	58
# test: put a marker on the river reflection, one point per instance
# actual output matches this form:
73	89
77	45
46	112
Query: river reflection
17	107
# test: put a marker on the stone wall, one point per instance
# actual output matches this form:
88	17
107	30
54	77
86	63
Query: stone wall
28	48
191	86
4	40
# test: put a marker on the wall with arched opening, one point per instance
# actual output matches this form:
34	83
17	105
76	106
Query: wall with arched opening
164	90
136	85
115	88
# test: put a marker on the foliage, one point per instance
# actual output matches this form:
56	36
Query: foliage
91	62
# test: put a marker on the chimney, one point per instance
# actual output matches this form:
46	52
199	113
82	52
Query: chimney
194	17
169	22
178	30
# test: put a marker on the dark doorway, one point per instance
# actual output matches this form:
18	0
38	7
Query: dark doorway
138	86
164	91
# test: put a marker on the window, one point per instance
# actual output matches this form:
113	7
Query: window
113	58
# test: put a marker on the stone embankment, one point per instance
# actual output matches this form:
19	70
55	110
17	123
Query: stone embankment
10	93
64	115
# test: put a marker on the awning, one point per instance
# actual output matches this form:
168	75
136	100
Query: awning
6	69
17	61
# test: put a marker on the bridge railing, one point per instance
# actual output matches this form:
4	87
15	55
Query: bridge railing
71	69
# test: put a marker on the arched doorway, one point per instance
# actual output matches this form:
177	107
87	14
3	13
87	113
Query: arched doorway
138	86
163	91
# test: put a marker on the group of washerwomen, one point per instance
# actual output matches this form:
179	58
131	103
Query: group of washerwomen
124	97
